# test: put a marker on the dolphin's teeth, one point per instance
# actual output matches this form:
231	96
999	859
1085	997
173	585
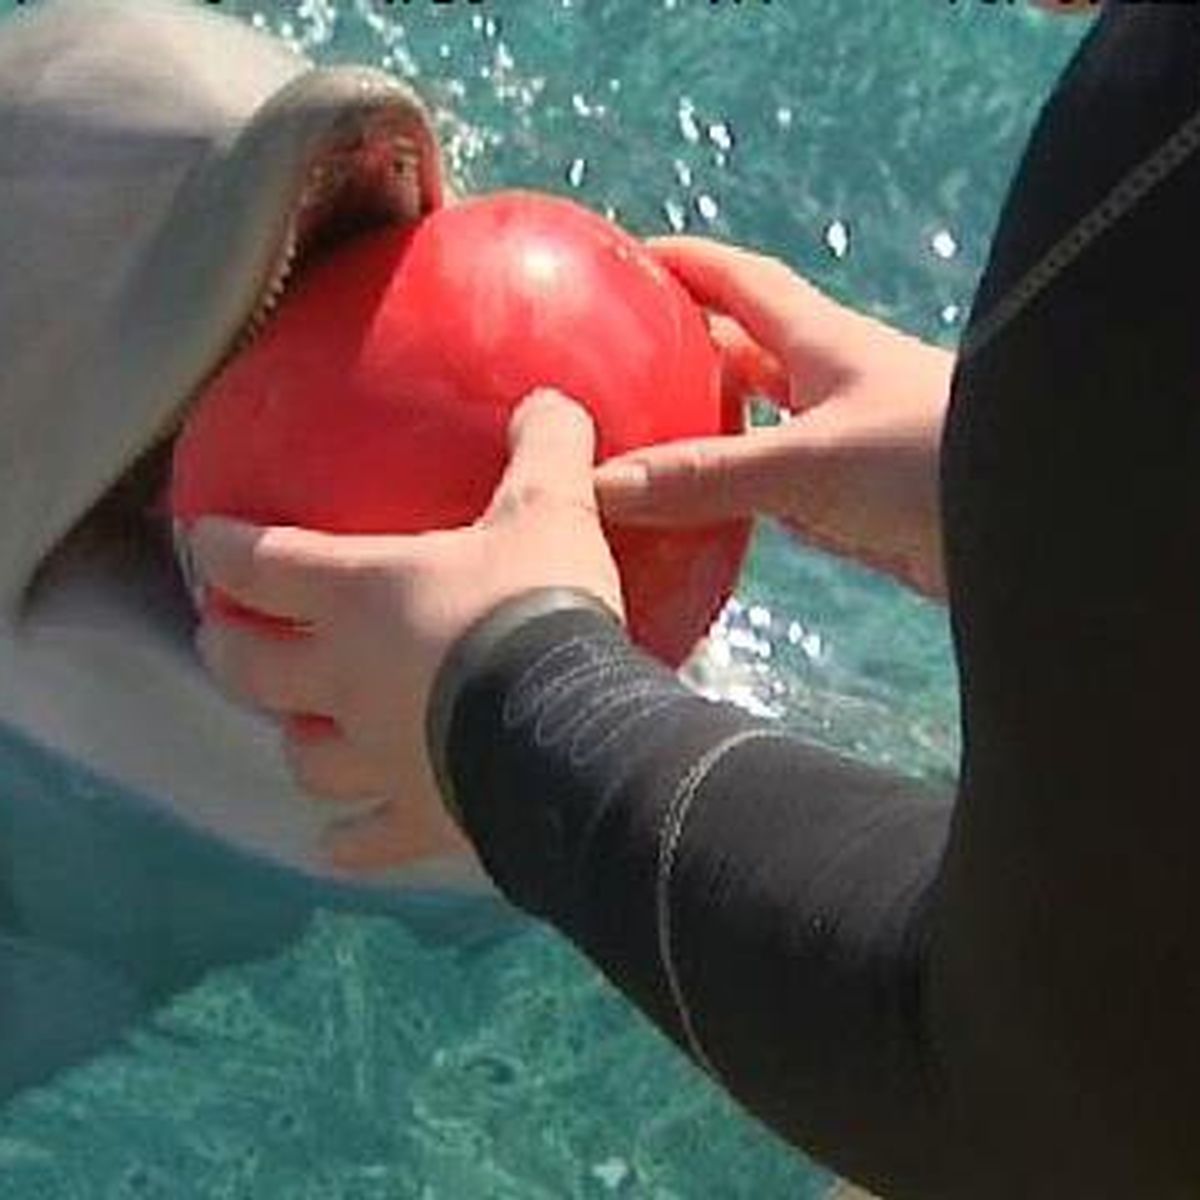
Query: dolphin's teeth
273	291
406	162
408	185
324	180
319	198
406	165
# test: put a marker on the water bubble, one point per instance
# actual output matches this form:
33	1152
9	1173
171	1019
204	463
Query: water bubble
721	135
943	244
837	238
612	1172
706	206
576	172
676	215
742	639
687	121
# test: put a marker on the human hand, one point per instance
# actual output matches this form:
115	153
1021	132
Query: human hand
374	617
855	471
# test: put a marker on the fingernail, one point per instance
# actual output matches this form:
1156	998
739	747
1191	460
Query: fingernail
189	569
205	534
216	527
538	397
632	475
205	528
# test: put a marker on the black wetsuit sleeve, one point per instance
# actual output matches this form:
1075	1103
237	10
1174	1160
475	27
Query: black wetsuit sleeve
999	997
760	899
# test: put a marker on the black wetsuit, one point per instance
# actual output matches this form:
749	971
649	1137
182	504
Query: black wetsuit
990	995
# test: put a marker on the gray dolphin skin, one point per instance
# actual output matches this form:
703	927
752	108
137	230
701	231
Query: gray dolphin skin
163	168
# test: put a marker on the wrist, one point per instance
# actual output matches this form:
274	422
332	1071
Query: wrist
471	653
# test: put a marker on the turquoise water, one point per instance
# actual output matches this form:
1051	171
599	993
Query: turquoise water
224	1043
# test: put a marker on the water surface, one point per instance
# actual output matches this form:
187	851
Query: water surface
440	1052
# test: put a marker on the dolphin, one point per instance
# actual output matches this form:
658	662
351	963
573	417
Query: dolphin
164	171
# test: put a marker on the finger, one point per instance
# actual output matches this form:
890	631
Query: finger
746	368
389	837
372	843
552	447
764	295
331	768
703	480
278	674
276	570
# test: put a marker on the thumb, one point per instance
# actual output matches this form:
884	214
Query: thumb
552	445
789	318
746	368
762	294
702	480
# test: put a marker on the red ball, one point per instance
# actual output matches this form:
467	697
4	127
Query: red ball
377	398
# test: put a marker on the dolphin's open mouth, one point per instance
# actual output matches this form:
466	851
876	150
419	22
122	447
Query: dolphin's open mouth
370	176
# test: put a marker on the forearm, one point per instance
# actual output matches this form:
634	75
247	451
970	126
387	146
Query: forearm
761	900
932	1021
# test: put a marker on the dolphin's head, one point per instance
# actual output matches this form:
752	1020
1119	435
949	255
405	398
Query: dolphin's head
161	170
164	169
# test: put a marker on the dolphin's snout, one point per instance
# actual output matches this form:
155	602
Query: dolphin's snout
174	171
381	169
